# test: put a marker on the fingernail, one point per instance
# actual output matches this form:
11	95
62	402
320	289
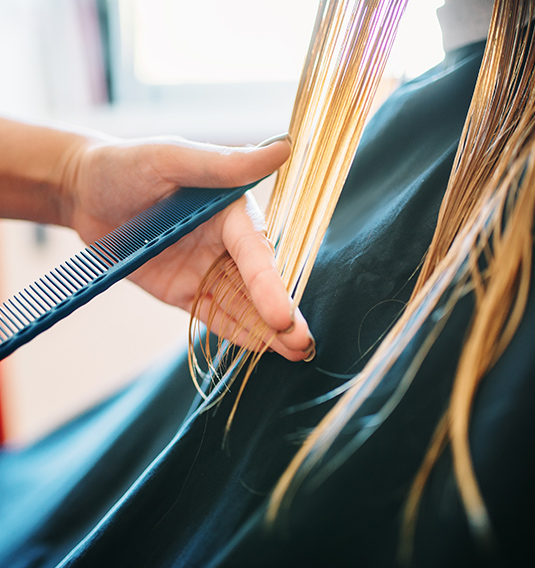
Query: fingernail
291	327
273	139
310	351
311	344
311	356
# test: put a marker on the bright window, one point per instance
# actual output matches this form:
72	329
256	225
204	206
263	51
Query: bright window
247	41
210	41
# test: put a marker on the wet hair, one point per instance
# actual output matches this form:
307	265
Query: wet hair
483	244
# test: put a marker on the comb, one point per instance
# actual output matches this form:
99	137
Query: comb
109	259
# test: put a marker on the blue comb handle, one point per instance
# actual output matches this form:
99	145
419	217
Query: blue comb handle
111	258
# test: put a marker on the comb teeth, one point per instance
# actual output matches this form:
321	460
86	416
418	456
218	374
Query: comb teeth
110	258
51	290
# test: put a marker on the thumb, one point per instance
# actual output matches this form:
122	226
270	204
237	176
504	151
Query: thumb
206	165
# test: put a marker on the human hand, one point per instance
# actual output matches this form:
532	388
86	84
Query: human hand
108	181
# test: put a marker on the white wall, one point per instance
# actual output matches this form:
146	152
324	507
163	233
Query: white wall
50	69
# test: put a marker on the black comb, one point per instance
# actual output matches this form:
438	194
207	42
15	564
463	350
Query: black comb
111	258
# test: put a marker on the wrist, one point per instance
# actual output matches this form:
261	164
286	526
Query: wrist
38	166
66	180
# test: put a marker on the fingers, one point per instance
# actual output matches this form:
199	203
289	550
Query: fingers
243	237
222	321
254	258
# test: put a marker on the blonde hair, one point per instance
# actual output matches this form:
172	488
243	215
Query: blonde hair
344	63
482	245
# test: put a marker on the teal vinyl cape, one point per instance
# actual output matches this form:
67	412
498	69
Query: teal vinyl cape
142	479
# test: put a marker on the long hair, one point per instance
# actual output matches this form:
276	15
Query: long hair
482	244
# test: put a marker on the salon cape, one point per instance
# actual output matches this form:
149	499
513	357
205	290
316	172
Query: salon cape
142	480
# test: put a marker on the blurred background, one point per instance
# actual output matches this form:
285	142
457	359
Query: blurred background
221	71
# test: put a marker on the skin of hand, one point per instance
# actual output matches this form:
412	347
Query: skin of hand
106	182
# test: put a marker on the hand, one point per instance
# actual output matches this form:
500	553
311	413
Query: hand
108	181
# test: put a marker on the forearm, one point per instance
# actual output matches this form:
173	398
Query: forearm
33	169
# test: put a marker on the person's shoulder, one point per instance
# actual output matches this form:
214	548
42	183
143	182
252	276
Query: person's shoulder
466	57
